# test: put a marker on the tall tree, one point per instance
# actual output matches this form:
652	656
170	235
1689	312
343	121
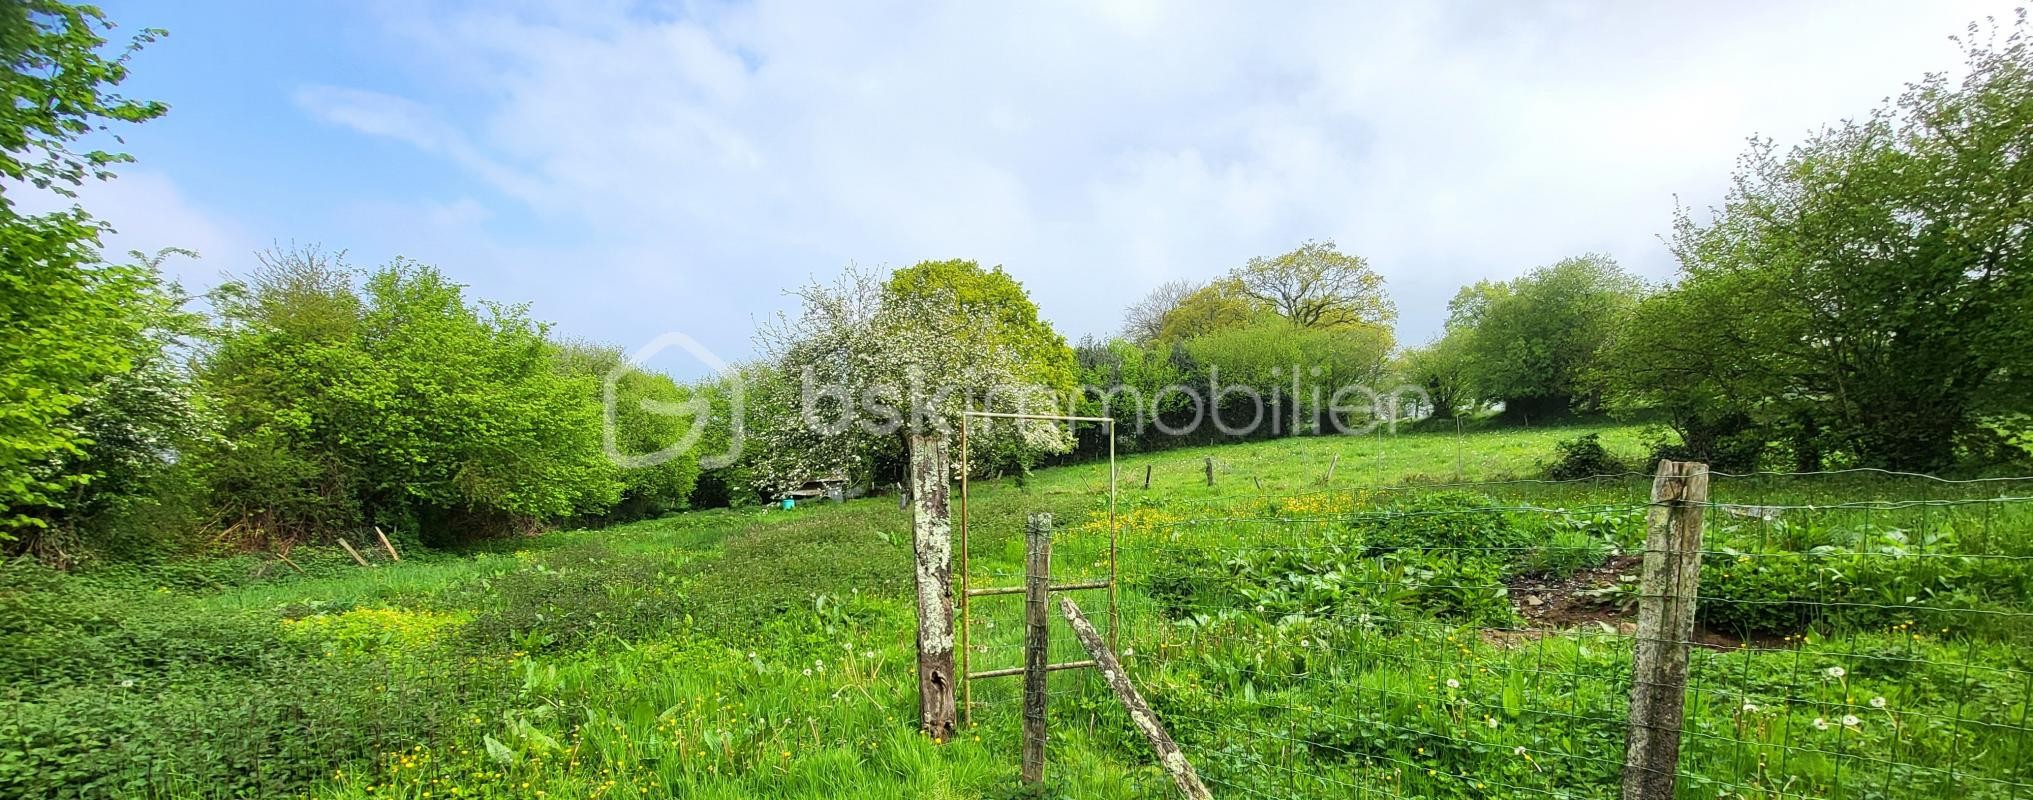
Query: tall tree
69	324
1869	292
1144	321
1318	286
874	362
1533	343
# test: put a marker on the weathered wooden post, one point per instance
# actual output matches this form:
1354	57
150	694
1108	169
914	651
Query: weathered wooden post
1210	470
1140	713
1037	649
387	545
352	552
1330	469
932	543
1671	579
1147	477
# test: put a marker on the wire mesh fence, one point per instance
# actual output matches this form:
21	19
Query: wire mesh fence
1854	635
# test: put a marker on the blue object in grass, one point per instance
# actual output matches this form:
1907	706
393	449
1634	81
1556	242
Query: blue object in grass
790	503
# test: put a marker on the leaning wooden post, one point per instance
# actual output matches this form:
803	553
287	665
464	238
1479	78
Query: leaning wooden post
1147	476
1210	470
1672	577
386	545
352	552
932	543
1330	469
1037	650
1140	712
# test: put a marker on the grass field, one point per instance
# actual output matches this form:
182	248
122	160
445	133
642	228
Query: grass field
768	653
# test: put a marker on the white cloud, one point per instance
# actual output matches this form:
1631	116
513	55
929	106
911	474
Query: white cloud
713	155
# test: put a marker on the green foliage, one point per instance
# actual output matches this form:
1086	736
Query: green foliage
397	403
60	89
1583	457
1862	296
650	414
577	596
1534	343
1318	286
1446	520
1567	552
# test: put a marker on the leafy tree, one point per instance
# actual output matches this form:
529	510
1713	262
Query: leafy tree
1221	304
1318	286
1440	370
1866	293
394	403
69	325
1533	343
882	362
119	496
60	88
646	420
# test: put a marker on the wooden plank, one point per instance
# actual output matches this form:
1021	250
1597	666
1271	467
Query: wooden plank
1037	643
385	545
1169	756
1667	591
352	552
1004	673
1063	587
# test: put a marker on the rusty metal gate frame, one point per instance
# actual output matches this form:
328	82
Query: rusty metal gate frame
967	592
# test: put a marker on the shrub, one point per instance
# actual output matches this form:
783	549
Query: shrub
1583	457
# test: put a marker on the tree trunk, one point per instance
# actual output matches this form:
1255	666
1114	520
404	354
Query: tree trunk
932	539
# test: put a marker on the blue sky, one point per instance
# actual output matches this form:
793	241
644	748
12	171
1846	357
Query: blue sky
632	169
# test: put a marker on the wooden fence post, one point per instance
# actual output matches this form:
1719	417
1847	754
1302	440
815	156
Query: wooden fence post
1147	476
1330	469
1672	578
1140	713
1210	470
932	545
1037	650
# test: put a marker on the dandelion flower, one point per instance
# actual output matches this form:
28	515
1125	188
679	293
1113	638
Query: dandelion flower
808	672
1491	721
1519	751
1750	708
1836	672
1820	724
1851	720
1877	702
1453	684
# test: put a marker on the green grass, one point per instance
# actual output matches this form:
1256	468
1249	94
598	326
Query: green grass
768	653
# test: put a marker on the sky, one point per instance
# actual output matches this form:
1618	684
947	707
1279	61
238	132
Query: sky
636	169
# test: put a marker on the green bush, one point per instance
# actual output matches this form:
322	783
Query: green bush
1583	457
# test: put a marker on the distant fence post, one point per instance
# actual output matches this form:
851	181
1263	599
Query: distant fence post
1210	470
1147	476
1672	577
1037	652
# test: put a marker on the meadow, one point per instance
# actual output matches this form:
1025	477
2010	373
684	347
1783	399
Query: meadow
1375	635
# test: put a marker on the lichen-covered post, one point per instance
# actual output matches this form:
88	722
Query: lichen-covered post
1671	580
932	543
1037	645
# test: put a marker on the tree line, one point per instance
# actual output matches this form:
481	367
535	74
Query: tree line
1862	298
